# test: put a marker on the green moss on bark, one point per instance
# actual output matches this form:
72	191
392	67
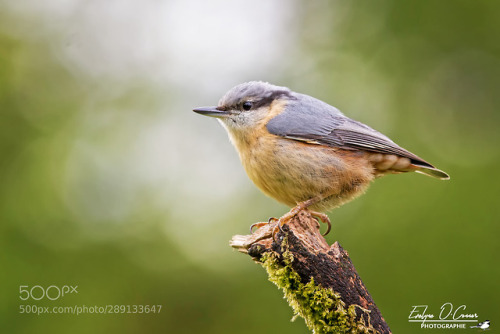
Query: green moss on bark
322	309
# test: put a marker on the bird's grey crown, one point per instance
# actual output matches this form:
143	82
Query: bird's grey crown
259	92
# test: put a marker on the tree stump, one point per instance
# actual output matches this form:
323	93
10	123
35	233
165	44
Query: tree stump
319	281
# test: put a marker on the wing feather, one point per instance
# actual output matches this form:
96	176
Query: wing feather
308	119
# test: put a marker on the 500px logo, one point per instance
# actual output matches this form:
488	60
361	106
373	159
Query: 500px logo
52	292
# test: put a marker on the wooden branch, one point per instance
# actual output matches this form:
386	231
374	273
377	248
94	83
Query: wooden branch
319	281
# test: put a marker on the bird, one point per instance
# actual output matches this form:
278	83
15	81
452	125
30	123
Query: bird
483	325
305	153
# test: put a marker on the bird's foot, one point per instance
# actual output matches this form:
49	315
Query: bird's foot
278	222
262	224
324	218
285	219
272	221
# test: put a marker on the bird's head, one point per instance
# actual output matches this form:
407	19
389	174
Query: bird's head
248	105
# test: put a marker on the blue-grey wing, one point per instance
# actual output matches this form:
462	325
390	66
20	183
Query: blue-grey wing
311	120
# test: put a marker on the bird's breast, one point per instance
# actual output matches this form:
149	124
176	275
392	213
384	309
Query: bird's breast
291	171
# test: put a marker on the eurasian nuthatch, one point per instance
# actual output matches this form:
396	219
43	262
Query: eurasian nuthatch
305	153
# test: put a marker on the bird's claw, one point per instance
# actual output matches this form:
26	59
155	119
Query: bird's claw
271	220
258	225
288	216
324	218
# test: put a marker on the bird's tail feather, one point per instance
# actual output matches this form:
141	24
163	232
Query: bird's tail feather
434	172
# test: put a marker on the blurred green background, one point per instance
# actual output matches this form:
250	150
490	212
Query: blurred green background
110	182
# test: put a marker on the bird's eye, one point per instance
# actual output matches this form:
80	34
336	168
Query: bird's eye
247	105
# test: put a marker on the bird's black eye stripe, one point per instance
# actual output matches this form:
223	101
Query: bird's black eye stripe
247	105
256	102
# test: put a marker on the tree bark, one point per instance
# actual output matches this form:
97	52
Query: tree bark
319	281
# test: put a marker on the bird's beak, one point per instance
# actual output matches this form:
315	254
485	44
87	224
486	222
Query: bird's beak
212	111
